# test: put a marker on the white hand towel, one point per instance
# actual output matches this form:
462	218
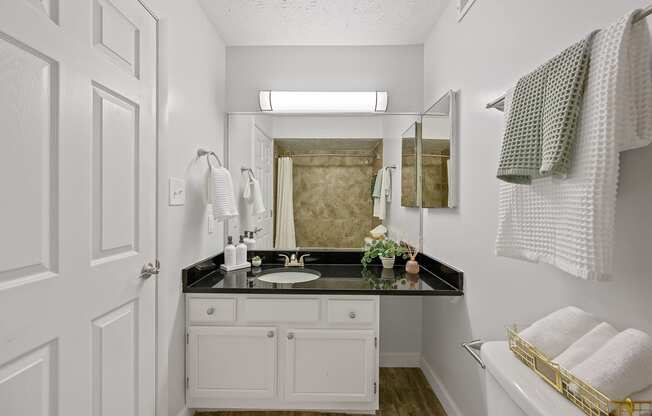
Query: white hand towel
220	193
584	347
252	194
387	184
554	333
570	223
379	201
621	367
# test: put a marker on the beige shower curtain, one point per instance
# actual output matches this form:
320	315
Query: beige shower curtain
285	237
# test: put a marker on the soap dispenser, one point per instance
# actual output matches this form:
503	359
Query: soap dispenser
230	256
241	251
249	240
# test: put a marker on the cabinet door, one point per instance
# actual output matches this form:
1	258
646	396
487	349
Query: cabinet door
330	365
231	362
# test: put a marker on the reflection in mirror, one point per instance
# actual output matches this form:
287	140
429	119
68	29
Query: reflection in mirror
409	166
438	154
317	175
331	180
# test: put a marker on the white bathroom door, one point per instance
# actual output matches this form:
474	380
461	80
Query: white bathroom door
78	208
264	170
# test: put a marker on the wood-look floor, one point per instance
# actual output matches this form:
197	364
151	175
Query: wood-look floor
403	392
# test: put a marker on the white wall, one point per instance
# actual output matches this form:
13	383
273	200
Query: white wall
328	127
192	102
482	56
396	69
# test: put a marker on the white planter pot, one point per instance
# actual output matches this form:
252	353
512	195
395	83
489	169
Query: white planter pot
388	262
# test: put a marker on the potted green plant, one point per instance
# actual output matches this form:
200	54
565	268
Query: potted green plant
386	250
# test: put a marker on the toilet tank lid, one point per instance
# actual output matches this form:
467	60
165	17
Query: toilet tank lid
523	386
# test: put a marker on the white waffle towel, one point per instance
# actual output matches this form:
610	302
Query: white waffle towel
554	333
581	349
570	223
622	366
220	192
253	195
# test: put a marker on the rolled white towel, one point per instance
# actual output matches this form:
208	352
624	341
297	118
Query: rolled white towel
220	193
620	367
584	347
554	333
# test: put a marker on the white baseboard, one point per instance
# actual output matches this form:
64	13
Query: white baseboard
400	359
438	387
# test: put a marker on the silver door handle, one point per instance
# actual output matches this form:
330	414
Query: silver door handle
352	315
270	334
210	311
290	335
150	269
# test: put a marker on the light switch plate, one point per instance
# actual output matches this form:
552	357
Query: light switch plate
177	192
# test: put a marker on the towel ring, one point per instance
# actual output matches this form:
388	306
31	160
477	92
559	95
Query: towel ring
208	154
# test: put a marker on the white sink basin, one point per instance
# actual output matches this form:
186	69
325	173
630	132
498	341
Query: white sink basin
285	276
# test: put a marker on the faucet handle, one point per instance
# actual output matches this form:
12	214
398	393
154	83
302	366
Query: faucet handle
287	259
301	258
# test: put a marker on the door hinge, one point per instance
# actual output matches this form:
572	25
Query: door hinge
375	342
187	337
187	382
375	388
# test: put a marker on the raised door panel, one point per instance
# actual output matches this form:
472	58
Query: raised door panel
116	35
115	362
330	366
115	175
233	362
28	384
28	164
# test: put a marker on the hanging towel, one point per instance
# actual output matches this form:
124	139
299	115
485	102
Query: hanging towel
252	194
384	193
386	184
584	347
554	333
377	184
622	366
378	212
542	126
570	223
220	192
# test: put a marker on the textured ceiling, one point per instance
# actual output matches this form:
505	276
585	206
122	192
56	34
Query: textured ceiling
323	22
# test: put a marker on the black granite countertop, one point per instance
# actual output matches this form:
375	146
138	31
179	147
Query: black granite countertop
341	273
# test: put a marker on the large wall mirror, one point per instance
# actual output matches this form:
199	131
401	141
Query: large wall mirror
328	180
429	157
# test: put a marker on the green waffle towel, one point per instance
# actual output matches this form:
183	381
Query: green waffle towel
542	121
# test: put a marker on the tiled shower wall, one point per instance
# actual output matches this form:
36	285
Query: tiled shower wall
332	200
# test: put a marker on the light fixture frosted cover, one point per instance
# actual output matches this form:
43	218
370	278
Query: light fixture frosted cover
323	101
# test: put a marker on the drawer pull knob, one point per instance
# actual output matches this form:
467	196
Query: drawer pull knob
290	335
352	315
210	311
270	334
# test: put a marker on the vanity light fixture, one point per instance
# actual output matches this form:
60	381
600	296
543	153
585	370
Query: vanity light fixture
323	101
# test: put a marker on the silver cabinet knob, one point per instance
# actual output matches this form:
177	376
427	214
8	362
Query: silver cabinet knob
210	311
352	315
290	335
270	334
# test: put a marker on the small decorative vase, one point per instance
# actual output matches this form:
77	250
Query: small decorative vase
388	262
412	266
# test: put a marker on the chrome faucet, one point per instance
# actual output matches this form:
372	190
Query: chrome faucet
292	261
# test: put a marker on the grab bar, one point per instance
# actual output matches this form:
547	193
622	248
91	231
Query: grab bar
471	347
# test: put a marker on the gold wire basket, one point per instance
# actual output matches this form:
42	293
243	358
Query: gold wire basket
582	395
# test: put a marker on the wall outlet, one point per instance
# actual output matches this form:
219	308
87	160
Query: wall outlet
177	194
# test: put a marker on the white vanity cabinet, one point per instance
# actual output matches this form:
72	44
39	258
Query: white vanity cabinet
282	352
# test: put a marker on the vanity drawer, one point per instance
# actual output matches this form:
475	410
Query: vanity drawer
351	311
212	310
284	310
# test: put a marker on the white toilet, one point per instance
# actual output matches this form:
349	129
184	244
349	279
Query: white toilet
513	389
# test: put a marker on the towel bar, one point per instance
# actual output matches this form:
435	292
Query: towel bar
499	103
471	347
208	153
